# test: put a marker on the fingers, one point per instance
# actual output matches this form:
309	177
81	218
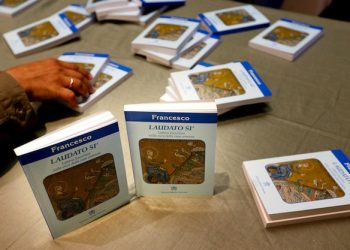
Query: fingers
80	81
76	67
77	86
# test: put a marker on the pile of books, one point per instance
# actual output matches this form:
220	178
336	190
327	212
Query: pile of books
230	85
174	42
51	31
106	74
138	11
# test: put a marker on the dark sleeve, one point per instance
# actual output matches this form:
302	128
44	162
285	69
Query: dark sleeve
16	113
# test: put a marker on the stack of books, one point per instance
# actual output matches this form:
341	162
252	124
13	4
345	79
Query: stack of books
106	74
11	8
170	38
232	20
46	33
230	85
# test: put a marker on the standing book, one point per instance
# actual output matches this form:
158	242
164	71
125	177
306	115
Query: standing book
300	188
172	147
232	20
287	38
41	35
77	172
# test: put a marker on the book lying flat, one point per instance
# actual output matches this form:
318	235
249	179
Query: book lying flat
172	147
230	85
78	15
300	188
41	35
93	5
234	19
159	3
101	13
111	76
11	8
287	38
167	34
88	150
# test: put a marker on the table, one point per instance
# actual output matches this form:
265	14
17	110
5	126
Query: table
310	111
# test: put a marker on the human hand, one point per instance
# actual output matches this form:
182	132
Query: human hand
53	79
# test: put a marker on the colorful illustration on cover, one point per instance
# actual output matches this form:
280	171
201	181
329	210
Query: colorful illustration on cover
303	180
165	31
82	187
38	33
189	54
286	36
215	84
11	3
86	66
75	17
172	161
235	17
102	79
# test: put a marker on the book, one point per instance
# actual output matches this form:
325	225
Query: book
111	76
12	8
230	85
167	34
300	188
232	20
93	5
101	13
92	62
190	57
160	3
166	59
172	147
287	38
78	15
77	172
41	35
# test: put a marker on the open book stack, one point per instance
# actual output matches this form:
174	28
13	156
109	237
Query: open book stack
46	33
230	85
11	8
106	74
169	38
233	20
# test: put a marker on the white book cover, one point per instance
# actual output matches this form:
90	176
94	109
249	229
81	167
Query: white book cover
167	34
93	5
78	15
40	35
167	59
234	19
301	187
166	98
191	56
230	85
130	7
88	150
172	147
159	3
92	62
11	8
111	76
286	38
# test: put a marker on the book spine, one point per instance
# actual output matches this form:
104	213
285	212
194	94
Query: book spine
207	22
256	78
85	54
68	22
120	66
302	24
180	18
342	158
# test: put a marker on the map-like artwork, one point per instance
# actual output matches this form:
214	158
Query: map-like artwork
216	84
165	31
172	161
38	33
11	3
189	54
102	79
86	66
82	187
303	181
286	36
235	17
75	17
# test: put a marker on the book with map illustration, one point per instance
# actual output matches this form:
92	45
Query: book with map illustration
13	7
77	172
287	38
78	15
300	188
167	35
232	20
230	85
172	147
41	35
